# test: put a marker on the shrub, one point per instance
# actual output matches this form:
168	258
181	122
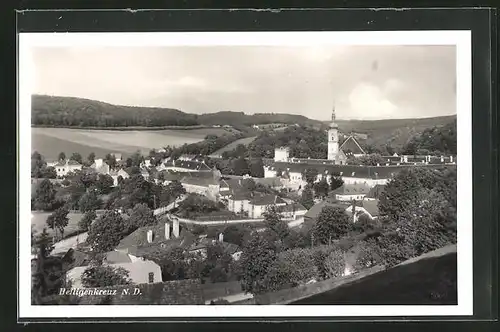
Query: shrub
368	255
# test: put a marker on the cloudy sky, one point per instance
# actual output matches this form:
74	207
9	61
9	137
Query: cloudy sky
364	82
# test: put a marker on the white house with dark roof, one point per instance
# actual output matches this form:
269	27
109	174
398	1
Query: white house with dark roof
116	174
63	167
260	204
101	167
186	166
366	207
140	272
349	192
204	185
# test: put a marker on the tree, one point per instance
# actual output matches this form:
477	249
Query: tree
373	159
310	175
241	166
37	165
336	182
106	232
332	223
58	220
105	276
62	156
257	168
307	198
257	257
45	196
89	202
369	255
76	157
321	188
91	158
335	264
49	172
422	227
140	216
272	220
174	190
104	183
235	234
295	239
86	221
110	160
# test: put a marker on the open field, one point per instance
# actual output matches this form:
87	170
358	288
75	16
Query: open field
51	141
245	141
38	221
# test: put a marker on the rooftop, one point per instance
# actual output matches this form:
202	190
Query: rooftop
352	189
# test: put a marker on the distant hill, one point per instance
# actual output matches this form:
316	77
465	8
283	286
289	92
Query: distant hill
74	112
393	132
240	118
78	112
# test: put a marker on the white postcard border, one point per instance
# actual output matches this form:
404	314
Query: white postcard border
462	40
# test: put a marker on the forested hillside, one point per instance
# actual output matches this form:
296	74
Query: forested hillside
78	112
438	139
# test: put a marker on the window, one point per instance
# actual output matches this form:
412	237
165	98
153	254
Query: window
151	277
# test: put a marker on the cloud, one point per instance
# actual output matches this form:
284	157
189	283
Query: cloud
363	81
369	101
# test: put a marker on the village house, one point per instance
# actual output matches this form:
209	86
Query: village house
366	207
140	272
63	167
118	156
100	167
260	204
139	269
185	166
207	186
116	174
349	192
239	201
375	192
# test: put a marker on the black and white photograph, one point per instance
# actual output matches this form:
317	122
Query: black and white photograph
234	173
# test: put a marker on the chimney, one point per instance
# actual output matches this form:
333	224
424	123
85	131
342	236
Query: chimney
175	227
167	231
150	236
221	237
451	159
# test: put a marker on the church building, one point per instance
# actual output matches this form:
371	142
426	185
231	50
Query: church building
337	155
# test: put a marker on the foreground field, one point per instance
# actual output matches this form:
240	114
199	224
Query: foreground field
51	141
38	222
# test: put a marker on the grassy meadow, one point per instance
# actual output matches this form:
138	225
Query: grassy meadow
245	141
51	141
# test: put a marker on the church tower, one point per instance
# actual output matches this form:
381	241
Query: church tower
333	139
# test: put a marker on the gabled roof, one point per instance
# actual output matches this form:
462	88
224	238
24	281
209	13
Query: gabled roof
376	191
315	210
270	182
240	195
114	257
67	162
199	181
352	189
136	243
75	258
352	145
294	207
188	165
267	200
371	207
